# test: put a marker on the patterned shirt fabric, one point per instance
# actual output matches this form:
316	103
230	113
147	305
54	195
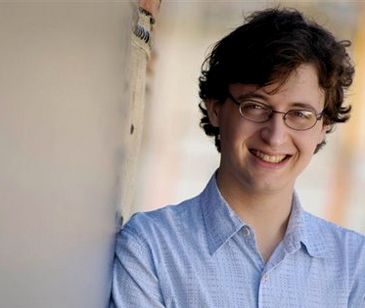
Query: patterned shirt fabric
201	254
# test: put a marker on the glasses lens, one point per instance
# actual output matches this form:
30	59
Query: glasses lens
255	111
300	119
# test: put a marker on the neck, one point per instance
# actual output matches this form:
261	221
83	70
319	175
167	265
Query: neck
267	212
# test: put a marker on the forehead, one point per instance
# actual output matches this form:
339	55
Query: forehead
301	87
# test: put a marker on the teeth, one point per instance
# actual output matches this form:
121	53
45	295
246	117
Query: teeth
269	159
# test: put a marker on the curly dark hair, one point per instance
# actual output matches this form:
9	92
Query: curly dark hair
267	48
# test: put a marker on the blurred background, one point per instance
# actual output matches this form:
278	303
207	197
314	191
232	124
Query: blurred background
177	159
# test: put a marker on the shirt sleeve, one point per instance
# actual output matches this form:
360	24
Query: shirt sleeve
135	282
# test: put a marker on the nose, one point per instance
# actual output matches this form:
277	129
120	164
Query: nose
275	132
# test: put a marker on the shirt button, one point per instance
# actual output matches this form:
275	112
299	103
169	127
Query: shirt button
265	278
246	231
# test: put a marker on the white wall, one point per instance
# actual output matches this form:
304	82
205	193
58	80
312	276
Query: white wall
63	90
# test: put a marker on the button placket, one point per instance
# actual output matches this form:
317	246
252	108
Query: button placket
265	278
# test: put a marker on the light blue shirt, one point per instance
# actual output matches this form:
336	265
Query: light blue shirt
201	254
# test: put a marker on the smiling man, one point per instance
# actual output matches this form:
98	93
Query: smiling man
264	150
270	92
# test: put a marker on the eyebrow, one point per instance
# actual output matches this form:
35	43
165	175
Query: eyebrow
252	95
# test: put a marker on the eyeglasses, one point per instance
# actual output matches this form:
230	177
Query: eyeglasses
297	119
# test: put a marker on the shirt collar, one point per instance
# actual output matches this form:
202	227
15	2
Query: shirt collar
303	229
221	223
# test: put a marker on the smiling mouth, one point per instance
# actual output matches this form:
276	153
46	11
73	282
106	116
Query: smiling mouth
275	159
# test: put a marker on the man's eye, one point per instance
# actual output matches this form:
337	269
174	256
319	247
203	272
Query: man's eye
253	106
303	114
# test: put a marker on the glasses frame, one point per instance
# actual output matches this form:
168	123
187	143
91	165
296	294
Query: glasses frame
319	116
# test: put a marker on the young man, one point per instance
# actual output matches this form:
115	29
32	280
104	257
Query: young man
271	90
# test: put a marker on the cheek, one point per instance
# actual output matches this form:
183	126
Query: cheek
308	145
236	134
321	136
229	139
311	138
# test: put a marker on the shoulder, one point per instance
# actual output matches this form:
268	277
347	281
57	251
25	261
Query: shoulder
333	231
339	243
343	255
166	222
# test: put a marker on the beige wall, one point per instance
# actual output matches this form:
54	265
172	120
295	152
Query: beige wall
63	99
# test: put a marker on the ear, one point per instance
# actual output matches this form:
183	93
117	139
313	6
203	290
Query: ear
213	108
